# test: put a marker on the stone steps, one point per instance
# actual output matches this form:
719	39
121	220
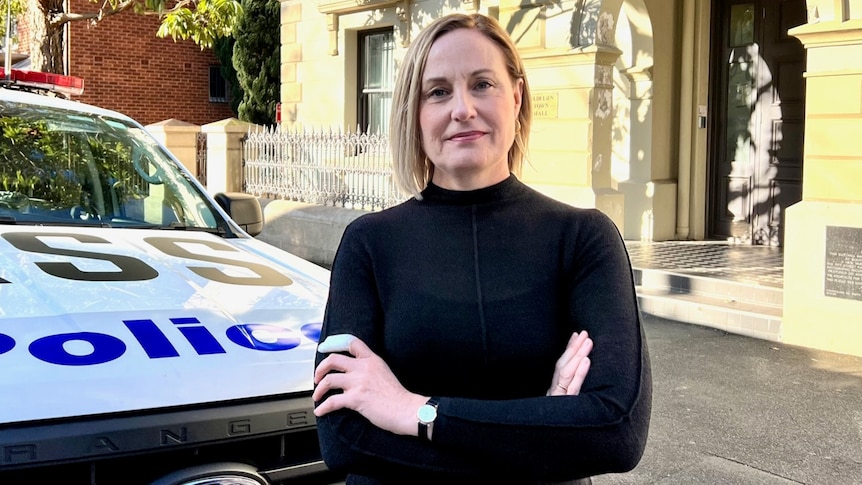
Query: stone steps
745	308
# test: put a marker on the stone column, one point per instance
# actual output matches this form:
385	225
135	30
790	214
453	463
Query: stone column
224	155
180	138
608	198
823	239
290	93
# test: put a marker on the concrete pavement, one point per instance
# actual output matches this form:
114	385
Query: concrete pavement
729	409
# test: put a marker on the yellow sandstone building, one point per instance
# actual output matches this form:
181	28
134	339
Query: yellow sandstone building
681	119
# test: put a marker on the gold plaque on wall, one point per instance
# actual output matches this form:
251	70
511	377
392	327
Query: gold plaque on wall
545	104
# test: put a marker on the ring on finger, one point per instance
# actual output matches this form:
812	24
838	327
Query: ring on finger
562	387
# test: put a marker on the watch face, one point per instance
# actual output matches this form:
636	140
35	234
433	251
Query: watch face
427	413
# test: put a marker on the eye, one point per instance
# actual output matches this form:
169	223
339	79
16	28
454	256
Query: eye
437	93
484	84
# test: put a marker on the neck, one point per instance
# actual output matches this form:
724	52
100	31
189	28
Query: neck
449	181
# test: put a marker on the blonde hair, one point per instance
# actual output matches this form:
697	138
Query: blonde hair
411	166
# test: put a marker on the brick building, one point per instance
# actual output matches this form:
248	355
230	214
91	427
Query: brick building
127	68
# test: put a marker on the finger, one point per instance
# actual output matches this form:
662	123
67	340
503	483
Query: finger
332	363
567	370
557	390
572	346
325	385
573	374
574	387
360	349
332	403
585	346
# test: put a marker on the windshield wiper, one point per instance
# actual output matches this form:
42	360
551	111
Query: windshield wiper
175	226
11	221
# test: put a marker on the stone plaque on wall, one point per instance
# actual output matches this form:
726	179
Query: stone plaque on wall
843	262
545	104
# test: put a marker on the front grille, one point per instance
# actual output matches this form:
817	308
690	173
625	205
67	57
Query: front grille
264	453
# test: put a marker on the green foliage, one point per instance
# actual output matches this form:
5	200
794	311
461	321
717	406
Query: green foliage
202	21
61	170
17	8
257	59
31	165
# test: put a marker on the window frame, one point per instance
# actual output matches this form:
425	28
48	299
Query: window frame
363	91
218	85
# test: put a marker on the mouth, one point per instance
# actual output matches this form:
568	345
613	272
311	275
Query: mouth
466	136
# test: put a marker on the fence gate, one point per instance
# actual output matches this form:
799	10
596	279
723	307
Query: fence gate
201	158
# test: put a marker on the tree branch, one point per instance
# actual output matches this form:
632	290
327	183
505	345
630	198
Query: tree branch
60	18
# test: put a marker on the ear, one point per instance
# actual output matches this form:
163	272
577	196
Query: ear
518	89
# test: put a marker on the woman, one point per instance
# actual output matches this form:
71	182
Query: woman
476	302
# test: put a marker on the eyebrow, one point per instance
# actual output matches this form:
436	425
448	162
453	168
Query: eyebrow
477	72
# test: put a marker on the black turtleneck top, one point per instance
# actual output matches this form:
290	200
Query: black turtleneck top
471	297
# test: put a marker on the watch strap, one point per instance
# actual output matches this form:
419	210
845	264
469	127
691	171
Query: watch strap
425	428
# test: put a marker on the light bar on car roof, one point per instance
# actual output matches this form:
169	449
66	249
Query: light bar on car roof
56	83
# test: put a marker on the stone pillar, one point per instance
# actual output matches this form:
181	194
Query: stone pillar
180	138
823	239
290	93
224	155
608	198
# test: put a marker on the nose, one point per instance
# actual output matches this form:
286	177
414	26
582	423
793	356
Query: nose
463	107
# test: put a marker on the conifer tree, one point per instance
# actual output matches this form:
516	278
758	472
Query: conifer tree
257	59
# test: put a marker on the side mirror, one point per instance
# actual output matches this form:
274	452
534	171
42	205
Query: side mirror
244	209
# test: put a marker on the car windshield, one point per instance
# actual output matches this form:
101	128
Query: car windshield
62	167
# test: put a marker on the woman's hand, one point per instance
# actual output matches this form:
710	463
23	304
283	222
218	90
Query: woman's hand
369	388
572	367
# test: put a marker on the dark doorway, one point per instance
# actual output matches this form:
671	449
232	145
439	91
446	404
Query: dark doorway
755	166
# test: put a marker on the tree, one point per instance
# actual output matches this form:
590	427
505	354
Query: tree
257	60
201	21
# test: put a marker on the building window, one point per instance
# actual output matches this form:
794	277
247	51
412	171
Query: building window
376	77
218	86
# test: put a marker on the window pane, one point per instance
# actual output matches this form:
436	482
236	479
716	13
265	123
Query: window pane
741	25
377	74
218	86
378	60
378	111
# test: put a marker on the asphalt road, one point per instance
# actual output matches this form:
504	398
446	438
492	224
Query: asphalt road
732	410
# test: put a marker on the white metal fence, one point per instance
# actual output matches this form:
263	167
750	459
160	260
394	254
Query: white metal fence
325	167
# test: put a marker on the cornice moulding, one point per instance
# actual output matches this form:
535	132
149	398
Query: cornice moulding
340	7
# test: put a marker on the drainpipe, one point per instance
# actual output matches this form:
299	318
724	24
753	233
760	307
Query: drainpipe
686	111
6	50
66	48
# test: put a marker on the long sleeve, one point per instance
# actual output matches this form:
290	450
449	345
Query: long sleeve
473	302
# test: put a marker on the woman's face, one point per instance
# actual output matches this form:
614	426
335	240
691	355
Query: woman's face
467	111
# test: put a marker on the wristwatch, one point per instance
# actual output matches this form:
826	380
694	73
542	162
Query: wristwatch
427	414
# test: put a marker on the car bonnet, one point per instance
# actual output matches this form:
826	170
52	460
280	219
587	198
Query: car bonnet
100	320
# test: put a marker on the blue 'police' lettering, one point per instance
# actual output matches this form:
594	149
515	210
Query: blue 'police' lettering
312	331
152	340
50	349
258	336
155	343
7	343
201	339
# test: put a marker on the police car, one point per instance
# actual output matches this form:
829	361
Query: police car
145	335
